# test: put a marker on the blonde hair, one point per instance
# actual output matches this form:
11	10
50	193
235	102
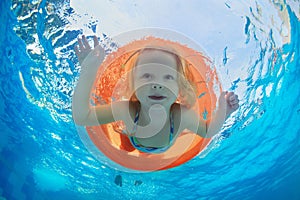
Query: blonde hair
187	88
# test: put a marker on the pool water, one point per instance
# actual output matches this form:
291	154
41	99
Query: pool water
255	48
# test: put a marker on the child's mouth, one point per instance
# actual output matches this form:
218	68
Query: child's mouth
153	97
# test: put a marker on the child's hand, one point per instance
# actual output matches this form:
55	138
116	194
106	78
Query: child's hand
229	101
84	48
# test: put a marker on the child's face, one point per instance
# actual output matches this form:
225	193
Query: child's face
155	78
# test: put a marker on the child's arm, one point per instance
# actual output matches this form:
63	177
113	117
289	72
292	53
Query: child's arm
228	103
83	113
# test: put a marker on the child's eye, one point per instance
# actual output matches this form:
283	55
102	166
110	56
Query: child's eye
146	76
169	77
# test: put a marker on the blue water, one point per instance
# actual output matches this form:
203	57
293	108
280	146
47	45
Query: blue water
256	155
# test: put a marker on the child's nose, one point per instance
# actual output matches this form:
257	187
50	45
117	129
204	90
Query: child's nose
157	86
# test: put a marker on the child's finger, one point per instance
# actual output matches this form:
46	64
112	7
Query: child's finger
235	101
85	42
229	94
96	42
235	106
80	44
233	97
76	50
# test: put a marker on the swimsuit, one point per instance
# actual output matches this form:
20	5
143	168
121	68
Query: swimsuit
146	149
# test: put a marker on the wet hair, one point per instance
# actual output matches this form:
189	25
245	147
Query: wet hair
187	88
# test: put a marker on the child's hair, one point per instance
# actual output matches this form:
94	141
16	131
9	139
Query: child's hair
187	88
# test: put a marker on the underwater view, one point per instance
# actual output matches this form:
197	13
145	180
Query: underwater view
255	50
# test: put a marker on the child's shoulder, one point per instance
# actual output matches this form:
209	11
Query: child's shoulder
128	109
132	105
179	108
179	111
183	112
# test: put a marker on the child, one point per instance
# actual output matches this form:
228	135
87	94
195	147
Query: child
152	116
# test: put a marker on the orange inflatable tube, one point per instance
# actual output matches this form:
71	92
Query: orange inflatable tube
115	145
